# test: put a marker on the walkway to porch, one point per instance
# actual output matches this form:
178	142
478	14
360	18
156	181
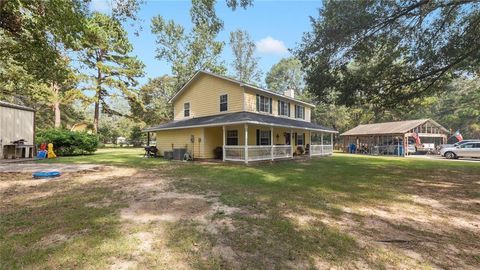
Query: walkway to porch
250	142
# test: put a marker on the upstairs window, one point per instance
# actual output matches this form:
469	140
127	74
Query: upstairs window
186	109
223	103
299	112
232	137
283	108
264	104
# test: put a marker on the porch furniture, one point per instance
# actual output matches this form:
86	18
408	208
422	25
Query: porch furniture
151	151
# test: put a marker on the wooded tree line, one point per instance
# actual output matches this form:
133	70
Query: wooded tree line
363	61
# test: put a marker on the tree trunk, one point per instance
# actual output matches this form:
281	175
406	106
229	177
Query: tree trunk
56	106
96	116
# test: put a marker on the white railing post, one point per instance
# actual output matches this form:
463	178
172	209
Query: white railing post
271	142
246	143
223	148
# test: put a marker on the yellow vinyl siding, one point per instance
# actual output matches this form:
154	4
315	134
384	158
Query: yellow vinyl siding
204	97
213	139
180	138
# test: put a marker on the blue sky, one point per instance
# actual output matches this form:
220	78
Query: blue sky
274	25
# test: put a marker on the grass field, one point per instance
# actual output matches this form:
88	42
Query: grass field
342	212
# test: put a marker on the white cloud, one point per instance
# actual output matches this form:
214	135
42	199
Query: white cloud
270	45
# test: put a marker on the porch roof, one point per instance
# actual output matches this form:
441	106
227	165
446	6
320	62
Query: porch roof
240	118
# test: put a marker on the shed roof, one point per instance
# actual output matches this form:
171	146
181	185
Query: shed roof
398	127
240	118
15	106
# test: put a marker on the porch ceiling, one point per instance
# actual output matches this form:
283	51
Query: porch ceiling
240	118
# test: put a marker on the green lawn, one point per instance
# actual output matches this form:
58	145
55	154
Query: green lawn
342	211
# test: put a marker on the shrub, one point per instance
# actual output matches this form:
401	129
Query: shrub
68	143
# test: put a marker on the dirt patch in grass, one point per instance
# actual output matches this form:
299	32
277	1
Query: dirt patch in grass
258	217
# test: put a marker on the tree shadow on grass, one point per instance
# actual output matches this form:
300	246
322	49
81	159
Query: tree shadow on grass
275	196
60	230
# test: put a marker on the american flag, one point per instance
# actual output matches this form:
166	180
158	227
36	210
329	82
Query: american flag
458	135
417	138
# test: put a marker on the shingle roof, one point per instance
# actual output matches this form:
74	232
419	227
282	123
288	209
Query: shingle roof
239	118
397	127
15	106
270	92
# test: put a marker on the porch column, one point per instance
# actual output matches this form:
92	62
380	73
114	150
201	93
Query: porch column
271	142
246	143
310	149
148	138
291	142
331	142
223	148
321	147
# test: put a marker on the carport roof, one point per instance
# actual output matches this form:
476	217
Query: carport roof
398	127
240	118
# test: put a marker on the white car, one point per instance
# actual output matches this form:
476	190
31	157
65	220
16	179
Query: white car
470	149
456	144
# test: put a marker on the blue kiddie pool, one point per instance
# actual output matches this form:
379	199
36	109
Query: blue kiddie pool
46	174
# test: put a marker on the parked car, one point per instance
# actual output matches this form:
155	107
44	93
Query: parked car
469	149
455	144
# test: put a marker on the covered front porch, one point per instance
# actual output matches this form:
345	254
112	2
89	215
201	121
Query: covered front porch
256	142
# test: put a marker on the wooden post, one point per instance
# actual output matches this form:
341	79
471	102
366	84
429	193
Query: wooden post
148	138
246	143
271	142
224	143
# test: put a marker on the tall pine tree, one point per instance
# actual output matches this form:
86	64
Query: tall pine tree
107	54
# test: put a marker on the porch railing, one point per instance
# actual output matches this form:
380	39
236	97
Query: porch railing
234	152
257	152
268	152
321	150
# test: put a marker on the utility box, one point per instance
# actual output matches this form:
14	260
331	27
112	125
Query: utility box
178	153
168	155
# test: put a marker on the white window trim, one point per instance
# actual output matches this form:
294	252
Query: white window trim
270	105
219	99
265	131
226	135
189	109
286	103
295	112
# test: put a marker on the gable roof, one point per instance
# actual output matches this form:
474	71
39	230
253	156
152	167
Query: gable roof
397	127
240	118
15	106
241	84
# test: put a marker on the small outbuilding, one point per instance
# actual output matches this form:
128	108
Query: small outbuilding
17	131
399	138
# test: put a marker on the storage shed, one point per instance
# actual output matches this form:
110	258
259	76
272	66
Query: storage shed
395	138
17	131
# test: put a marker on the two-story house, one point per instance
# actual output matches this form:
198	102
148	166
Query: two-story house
247	122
